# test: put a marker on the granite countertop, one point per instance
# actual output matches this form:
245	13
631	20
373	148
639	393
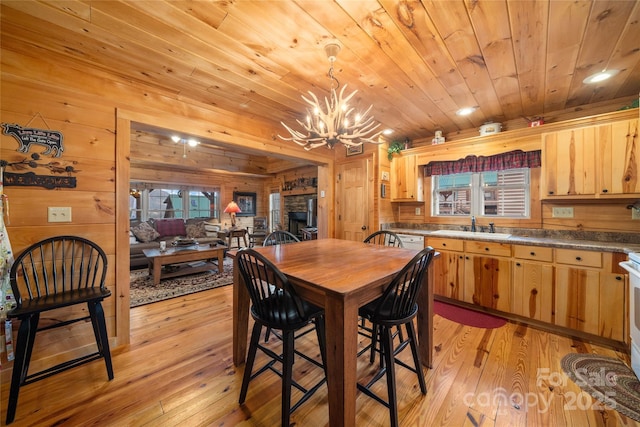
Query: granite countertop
565	239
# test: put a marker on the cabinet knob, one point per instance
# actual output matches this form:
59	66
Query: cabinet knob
444	244
550	192
578	258
486	249
618	278
532	253
604	190
518	264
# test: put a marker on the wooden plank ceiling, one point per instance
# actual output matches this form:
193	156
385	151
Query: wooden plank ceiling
417	62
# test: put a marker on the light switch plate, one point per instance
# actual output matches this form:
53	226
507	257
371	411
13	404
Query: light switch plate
562	212
59	214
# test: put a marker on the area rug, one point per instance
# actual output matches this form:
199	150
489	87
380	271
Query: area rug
466	316
143	291
606	379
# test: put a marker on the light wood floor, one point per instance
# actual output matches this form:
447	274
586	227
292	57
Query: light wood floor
178	371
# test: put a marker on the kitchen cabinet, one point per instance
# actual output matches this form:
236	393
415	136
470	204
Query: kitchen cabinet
592	162
589	298
448	267
532	285
487	278
576	289
406	181
619	158
568	163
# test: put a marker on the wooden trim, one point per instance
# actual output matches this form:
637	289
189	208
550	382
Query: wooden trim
122	265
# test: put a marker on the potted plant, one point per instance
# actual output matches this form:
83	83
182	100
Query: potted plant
395	147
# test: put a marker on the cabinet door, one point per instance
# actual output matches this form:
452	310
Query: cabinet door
577	294
406	184
613	292
532	290
619	158
449	275
568	163
487	281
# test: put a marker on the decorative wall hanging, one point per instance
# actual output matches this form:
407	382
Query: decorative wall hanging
246	202
30	179
26	136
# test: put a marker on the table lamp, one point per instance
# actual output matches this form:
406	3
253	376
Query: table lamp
232	209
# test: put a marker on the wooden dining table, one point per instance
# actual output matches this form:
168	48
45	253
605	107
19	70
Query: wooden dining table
341	276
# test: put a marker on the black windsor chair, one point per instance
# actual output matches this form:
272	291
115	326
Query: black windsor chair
275	305
280	237
54	273
396	307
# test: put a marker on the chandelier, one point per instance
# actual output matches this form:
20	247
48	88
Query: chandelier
337	122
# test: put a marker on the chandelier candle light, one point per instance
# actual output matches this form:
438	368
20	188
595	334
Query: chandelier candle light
337	122
232	209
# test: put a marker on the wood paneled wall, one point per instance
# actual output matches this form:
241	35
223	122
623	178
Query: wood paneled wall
95	112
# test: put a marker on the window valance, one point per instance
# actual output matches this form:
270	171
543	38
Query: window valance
512	160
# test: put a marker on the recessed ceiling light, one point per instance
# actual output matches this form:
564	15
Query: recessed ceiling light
465	111
175	138
387	131
601	76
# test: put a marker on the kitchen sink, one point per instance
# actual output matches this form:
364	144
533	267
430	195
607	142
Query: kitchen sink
474	234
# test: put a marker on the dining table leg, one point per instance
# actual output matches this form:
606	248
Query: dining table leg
241	302
425	319
341	321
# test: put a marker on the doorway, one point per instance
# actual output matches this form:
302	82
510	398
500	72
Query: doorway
352	200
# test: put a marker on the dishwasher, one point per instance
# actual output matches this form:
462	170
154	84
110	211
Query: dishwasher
411	241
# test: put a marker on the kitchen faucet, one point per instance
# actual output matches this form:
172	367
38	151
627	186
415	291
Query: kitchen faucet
473	224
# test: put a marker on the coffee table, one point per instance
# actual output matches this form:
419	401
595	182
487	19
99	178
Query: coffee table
182	256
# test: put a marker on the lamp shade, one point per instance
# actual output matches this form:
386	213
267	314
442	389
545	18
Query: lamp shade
232	207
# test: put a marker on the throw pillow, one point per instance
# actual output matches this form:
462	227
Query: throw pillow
196	230
144	232
171	227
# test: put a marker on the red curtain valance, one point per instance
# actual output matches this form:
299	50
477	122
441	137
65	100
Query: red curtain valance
512	160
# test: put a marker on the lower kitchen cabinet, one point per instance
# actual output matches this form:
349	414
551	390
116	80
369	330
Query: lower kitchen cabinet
590	296
577	294
532	290
487	278
448	267
532	286
575	289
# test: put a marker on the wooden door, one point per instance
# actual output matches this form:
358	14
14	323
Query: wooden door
352	200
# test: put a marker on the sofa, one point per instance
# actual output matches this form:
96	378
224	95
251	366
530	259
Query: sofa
149	234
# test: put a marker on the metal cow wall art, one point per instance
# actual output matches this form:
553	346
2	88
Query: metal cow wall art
51	139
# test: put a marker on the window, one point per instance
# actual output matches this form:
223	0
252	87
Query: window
164	201
492	194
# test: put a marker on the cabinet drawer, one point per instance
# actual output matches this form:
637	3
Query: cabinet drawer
576	257
537	253
486	248
446	244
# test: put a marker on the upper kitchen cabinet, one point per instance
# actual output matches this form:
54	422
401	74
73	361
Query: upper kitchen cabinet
592	162
568	163
406	180
619	158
